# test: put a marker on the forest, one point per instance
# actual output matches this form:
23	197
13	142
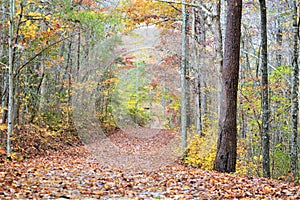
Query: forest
149	99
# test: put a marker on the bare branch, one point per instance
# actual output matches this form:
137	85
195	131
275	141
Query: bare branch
273	67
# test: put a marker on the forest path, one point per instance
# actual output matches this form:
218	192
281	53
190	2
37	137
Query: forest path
75	173
137	148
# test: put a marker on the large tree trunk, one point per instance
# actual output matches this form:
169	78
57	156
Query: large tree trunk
265	91
227	138
295	92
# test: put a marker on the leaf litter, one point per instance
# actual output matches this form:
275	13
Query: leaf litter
74	173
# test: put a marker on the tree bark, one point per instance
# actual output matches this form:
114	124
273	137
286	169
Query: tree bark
279	41
295	92
10	124
265	91
227	135
219	48
182	78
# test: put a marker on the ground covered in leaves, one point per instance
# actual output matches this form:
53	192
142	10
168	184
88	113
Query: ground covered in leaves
73	173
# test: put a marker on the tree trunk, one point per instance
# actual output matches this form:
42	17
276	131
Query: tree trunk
279	36
265	91
198	104
219	49
4	78
182	78
295	92
10	124
227	138
198	36
136	93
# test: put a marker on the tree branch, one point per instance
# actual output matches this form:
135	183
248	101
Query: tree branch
41	51
196	5
273	67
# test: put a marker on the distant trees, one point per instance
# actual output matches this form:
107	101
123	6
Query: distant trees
42	46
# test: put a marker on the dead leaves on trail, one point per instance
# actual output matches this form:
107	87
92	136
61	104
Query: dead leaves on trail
143	140
137	149
74	174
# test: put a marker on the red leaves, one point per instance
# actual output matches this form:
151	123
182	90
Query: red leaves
129	63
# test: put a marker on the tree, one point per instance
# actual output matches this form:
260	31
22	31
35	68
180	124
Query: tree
295	95
183	78
10	76
227	135
265	91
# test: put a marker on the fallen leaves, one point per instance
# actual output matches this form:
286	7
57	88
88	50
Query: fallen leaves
75	174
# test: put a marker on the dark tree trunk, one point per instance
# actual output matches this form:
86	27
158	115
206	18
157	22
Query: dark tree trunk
265	91
227	138
295	96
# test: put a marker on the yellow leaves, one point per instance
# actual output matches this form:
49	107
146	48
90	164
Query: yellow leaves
256	158
147	12
111	80
244	163
201	152
186	187
3	127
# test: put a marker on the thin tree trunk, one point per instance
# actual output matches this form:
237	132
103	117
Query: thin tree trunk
227	138
17	105
136	93
265	91
198	105
69	75
10	124
219	50
197	85
279	36
295	92
5	97
78	52
43	89
4	80
182	78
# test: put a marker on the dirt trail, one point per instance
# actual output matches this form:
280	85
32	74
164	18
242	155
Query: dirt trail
137	149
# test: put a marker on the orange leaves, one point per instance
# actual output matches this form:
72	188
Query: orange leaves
144	11
73	173
2	152
3	127
86	3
